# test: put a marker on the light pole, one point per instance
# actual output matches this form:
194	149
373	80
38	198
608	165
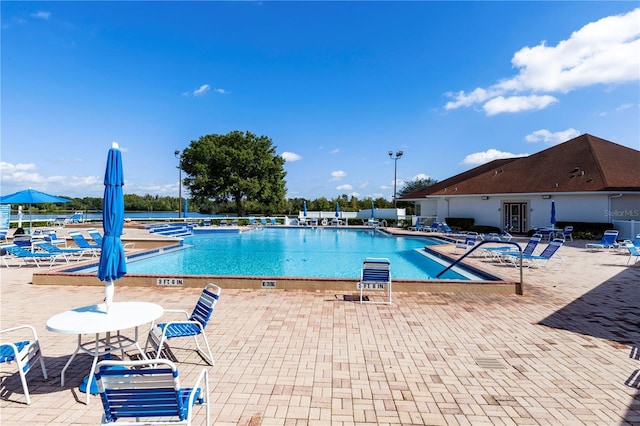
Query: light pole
395	173
177	154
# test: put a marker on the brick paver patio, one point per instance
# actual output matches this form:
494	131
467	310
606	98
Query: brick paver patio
565	353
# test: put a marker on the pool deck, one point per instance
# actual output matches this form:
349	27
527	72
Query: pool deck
566	352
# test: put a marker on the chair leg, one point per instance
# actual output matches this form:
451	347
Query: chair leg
23	379
208	358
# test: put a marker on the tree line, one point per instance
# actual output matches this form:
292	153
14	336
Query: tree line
236	173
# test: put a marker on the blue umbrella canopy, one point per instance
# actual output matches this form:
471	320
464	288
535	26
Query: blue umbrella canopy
553	212
112	260
31	196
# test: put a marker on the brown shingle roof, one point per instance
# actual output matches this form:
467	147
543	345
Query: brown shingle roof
583	164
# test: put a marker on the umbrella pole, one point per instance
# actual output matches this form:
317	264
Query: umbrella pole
109	290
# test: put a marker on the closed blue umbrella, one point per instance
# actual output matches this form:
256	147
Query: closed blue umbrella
553	212
304	209
337	209
373	211
112	260
31	196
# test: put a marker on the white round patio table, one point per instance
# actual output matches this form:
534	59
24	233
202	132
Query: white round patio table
95	320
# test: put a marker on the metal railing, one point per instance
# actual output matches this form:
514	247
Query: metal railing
520	289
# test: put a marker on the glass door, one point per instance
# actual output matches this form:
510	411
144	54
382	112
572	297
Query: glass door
515	217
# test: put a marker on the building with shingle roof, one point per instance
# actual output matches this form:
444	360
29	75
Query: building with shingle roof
590	180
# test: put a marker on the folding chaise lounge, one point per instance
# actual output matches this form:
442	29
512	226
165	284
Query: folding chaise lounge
26	255
418	227
95	236
633	252
83	243
499	252
434	227
46	247
469	241
608	241
543	258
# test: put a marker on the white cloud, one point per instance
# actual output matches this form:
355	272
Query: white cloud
290	156
335	151
501	104
550	138
345	187
338	174
202	90
478	158
420	176
41	15
16	177
624	107
221	91
601	52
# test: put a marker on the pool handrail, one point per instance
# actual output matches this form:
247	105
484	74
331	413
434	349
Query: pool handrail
519	290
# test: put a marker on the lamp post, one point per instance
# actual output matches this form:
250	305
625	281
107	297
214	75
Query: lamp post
177	154
395	173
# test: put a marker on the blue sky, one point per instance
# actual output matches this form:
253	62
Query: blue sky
335	85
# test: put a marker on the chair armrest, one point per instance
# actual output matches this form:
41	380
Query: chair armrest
177	311
22	327
203	376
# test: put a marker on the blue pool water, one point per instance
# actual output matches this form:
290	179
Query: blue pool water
297	252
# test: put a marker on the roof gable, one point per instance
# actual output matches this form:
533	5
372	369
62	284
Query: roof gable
583	164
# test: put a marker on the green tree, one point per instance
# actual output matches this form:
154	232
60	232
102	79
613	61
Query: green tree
234	168
415	185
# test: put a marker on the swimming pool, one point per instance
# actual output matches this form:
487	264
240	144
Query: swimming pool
298	252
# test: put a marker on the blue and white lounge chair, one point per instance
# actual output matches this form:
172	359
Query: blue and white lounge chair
193	325
83	243
633	252
509	251
77	217
65	253
376	275
543	258
95	236
445	229
419	226
608	241
26	256
272	221
146	391
25	353
469	241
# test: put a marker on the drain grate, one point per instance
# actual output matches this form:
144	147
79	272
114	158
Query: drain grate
489	363
354	298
